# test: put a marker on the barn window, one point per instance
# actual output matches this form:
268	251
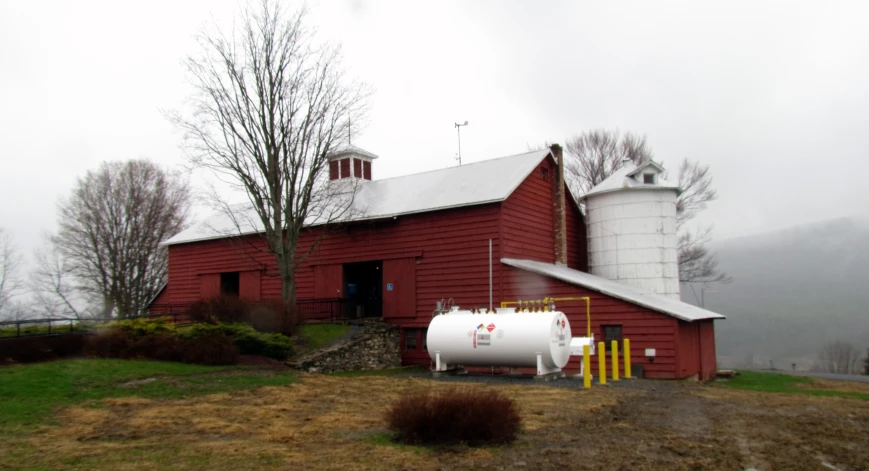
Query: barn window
425	339
544	174
410	339
229	284
649	178
612	332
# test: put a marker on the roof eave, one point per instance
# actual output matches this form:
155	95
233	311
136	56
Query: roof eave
712	315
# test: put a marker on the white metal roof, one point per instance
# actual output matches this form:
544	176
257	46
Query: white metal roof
488	181
622	179
671	307
351	150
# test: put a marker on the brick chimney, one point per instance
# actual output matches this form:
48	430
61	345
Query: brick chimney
559	206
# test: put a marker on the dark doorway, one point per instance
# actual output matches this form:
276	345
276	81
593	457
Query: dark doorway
363	288
229	284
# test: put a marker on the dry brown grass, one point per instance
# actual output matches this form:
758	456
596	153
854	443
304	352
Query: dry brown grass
324	422
320	422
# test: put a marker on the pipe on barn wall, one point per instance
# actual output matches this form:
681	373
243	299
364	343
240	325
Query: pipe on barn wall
490	276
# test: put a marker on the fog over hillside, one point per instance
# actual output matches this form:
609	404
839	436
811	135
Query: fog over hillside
793	291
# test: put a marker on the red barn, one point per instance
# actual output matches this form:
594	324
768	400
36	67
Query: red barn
480	232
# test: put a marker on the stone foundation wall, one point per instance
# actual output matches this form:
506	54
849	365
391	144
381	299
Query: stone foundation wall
376	347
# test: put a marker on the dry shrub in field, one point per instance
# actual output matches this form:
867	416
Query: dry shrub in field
34	349
264	316
454	415
163	347
110	343
219	309
211	349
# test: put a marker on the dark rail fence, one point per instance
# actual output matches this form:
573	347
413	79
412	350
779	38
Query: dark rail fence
64	325
310	311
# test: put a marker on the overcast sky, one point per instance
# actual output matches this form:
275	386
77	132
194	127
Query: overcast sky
772	95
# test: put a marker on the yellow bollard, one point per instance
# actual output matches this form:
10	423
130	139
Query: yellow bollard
586	366
615	346
601	362
627	358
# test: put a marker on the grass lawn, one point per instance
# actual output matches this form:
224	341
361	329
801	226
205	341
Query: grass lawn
319	335
30	393
386	372
784	383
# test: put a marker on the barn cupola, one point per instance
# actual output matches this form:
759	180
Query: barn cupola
631	223
350	162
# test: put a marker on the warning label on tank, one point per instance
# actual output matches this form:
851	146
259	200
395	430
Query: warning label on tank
484	339
490	327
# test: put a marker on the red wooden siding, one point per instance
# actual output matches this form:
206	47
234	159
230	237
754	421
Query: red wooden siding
401	300
688	363
357	168
645	328
249	285
696	347
528	221
209	285
366	170
577	243
528	217
708	362
451	249
328	281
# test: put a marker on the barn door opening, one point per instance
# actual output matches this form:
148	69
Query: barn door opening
363	288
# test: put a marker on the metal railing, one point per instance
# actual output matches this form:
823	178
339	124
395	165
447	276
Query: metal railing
65	325
310	311
324	310
34	327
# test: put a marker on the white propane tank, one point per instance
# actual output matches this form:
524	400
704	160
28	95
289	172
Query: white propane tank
507	338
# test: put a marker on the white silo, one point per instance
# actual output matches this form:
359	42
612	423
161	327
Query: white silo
631	223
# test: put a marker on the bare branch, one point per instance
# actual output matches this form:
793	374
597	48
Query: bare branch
696	263
594	155
837	357
270	105
10	265
110	232
696	184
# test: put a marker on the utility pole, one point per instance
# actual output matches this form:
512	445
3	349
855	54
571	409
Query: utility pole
459	134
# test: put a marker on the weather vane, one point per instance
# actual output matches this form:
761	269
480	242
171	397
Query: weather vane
459	133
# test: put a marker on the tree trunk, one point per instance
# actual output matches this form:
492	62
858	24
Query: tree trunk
289	306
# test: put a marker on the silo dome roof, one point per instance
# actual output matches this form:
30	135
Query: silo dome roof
633	177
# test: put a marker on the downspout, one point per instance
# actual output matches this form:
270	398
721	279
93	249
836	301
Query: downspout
490	276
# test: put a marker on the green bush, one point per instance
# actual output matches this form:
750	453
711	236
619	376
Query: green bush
247	339
143	326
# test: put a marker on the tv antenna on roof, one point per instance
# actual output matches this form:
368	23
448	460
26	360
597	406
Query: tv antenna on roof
459	133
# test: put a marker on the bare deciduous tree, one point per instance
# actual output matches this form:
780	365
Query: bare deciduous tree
110	232
595	155
866	363
837	357
10	264
271	105
56	291
696	263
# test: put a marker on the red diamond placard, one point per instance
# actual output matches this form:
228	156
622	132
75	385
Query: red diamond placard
490	327
563	323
